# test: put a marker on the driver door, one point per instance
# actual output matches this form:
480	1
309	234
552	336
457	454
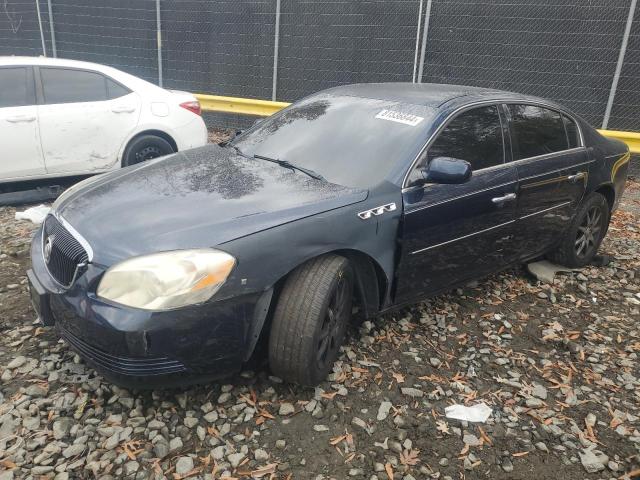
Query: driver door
452	233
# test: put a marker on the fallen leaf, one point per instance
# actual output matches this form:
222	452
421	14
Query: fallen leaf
389	469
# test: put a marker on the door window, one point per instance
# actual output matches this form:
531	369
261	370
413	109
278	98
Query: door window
536	131
72	86
474	136
16	88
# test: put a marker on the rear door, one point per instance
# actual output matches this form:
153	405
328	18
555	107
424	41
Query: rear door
552	169
451	233
19	138
84	119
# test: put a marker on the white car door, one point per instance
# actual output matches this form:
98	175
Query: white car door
21	152
84	118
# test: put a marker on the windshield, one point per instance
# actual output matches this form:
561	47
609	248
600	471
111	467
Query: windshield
350	141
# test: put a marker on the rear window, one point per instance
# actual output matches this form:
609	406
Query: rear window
536	131
115	90
72	86
16	87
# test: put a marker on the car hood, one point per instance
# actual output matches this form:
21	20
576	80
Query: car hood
198	198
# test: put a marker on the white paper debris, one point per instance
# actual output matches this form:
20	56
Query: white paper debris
476	413
34	214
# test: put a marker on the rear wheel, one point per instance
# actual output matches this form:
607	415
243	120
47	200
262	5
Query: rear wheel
310	320
145	148
585	234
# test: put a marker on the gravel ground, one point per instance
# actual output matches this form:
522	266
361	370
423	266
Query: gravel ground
558	364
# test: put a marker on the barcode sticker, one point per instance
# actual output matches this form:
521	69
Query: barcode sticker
399	117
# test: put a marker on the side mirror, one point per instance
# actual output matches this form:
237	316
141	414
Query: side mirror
446	170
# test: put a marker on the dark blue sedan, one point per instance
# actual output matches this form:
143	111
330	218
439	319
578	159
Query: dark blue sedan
371	195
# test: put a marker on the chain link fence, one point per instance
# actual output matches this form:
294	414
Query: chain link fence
585	55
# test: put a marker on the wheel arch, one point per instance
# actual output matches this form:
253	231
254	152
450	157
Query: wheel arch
157	133
609	193
371	281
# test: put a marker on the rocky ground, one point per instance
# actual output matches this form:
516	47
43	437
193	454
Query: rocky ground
558	365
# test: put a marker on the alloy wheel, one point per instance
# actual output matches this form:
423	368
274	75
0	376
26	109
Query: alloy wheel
588	234
334	320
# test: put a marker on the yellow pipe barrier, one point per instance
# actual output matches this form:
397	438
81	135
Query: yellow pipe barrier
245	106
632	139
264	108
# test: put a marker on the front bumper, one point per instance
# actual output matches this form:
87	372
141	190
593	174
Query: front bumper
141	349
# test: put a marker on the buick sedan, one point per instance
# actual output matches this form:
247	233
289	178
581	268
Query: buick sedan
361	198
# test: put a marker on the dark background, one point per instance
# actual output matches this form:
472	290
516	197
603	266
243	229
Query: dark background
565	50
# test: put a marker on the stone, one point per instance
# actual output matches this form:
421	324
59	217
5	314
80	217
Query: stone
175	444
236	458
539	391
73	450
412	392
286	409
17	362
61	427
260	455
592	460
184	465
383	410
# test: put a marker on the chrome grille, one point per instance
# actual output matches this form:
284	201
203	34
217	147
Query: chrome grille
66	256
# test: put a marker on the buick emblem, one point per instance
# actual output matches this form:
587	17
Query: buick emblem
48	245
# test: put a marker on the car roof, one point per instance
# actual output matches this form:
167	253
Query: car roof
427	94
49	62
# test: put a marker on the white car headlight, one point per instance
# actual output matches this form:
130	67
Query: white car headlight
163	281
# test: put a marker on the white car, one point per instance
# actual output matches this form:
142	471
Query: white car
63	117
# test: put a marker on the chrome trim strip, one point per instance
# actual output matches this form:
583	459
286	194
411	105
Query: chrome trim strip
496	102
556	171
463	237
490	228
545	210
460	196
76	235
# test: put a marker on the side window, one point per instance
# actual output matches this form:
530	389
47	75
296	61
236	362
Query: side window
115	90
72	86
536	131
572	132
16	87
474	136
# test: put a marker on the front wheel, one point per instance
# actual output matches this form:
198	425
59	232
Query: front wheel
585	233
310	320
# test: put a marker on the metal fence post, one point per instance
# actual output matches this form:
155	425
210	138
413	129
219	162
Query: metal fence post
616	75
425	31
51	30
159	43
44	46
415	57
276	46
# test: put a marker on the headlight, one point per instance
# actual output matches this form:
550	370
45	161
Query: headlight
168	280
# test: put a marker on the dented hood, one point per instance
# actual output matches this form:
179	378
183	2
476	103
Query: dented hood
198	198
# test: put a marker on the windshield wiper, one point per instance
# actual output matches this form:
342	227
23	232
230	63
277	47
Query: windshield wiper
287	164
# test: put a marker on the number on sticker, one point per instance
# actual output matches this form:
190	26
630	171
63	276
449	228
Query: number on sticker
399	117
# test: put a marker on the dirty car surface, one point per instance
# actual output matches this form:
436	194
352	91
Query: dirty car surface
372	195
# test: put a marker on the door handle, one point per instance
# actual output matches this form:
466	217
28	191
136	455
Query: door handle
576	177
509	197
123	109
21	119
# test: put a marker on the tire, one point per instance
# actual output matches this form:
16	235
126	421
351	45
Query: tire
145	148
584	235
310	320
